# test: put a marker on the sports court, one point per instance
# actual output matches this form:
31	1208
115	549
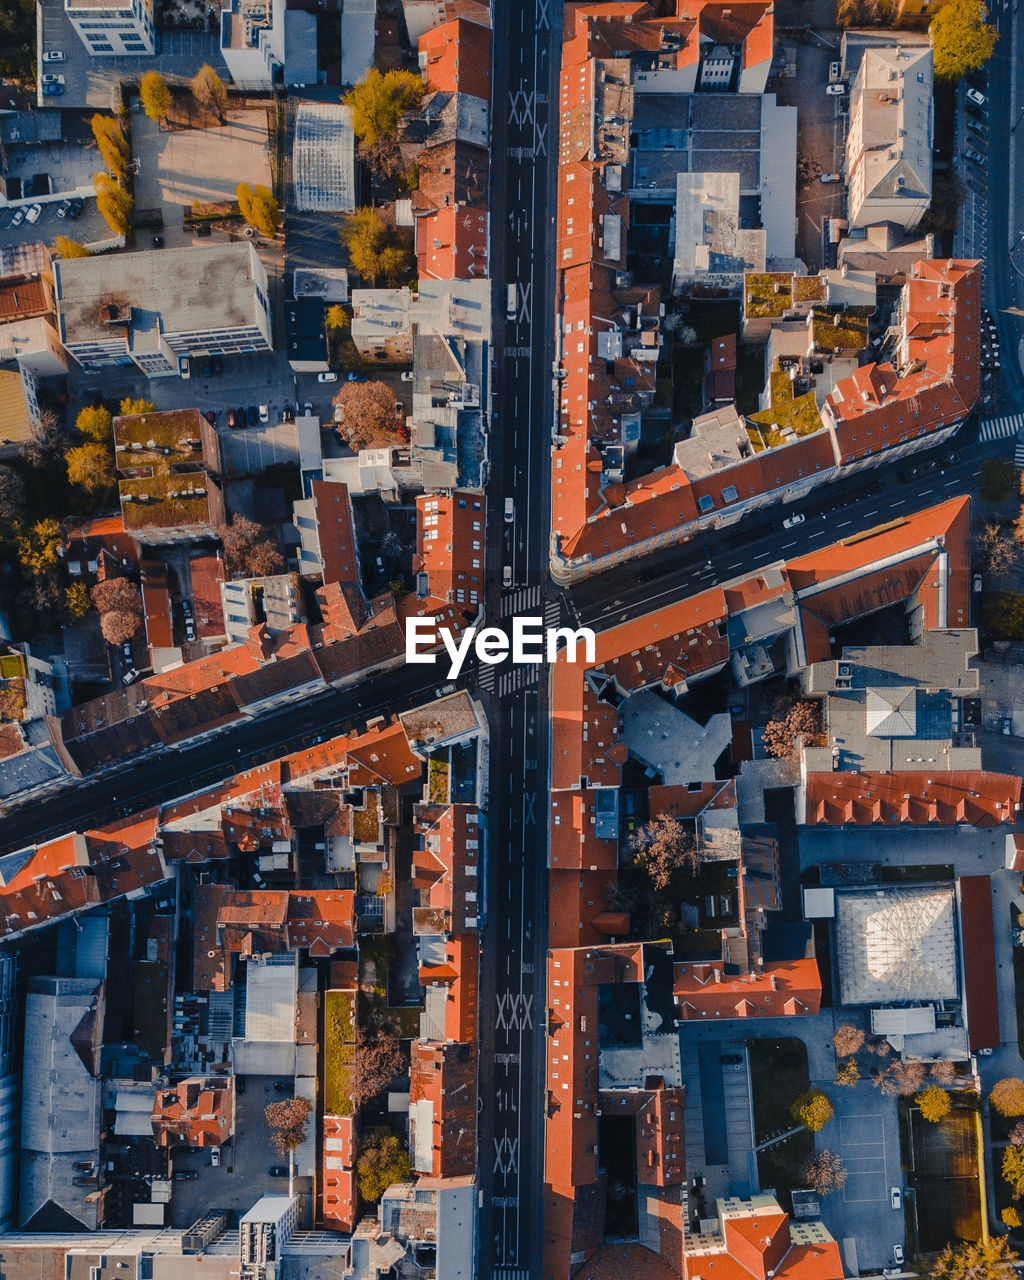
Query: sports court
862	1143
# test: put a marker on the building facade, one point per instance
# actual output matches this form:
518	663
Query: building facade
110	30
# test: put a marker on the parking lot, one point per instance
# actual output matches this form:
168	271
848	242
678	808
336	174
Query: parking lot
243	1175
93	82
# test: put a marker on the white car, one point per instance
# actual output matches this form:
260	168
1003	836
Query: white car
792	521
53	55
51	77
327	377
977	98
130	676
407	375
506	575
32	212
830	177
896	1198
510	510
834	90
18	218
264	413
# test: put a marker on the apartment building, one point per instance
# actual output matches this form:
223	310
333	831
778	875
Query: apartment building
889	140
155	310
109	29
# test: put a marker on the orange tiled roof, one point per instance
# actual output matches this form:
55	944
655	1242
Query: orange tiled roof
974	798
786	988
458	58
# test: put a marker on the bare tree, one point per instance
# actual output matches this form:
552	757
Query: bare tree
12	493
825	1173
800	726
376	1061
248	548
943	1072
999	552
847	1040
287	1122
902	1079
664	846
370	421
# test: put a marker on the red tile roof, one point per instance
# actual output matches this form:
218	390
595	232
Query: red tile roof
336	534
785	988
156	601
338	1173
207	574
450	532
451	244
973	797
197	1112
975	894
457	58
445	1076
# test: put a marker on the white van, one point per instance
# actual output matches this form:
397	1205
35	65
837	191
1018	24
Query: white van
511	305
510	510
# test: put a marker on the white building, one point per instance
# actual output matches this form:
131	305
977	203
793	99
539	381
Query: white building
264	43
153	309
113	28
889	142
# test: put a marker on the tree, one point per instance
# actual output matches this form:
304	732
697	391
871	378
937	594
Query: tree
801	725
117	593
901	1079
375	1063
37	547
113	144
825	1173
663	846
77	602
1007	1096
91	466
65	247
209	91
1013	1169
962	40
12	494
95	423
47	442
1010	1217
847	1072
248	549
287	1123
379	101
114	203
118	626
129	406
382	1162
382	157
847	1039
998	479
934	1103
369	421
372	247
988	1259
258	206
999	552
944	1072
1017	1134
155	96
812	1109
337	317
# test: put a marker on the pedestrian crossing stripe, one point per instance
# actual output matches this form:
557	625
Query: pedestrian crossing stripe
524	599
510	1273
1001	428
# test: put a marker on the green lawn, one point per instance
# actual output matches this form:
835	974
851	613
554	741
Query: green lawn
778	1075
339	1047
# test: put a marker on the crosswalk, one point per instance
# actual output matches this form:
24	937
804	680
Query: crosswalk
1001	428
520	601
510	1273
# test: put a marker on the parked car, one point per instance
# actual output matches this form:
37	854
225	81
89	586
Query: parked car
834	70
130	676
444	691
215	1157
64	208
355	377
250	415
327	377
218	365
307	409
185	1175
287	414
239	1084
19	218
126	649
52	90
278	1171
1007	726
976	123
731	1060
506	576
973	156
897	1254
54	55
792	521
973	95
510	510
77	207
184	368
211	417
32	212
976	582
186	609
190	630
896	1197
830	177
231	419
407	375
834	90
207	369
52	77
264	413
